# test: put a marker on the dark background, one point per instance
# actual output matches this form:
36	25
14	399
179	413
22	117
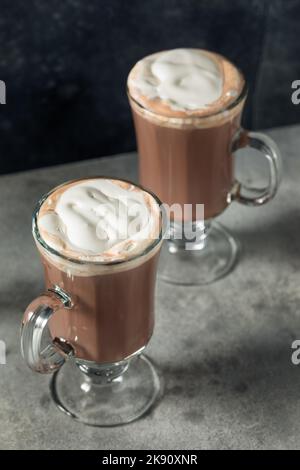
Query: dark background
65	64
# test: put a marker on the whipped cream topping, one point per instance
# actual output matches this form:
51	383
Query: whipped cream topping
99	219
188	80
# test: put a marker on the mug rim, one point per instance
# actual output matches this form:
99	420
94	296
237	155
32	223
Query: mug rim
40	240
181	119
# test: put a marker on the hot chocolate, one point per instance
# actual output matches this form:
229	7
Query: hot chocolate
99	240
186	106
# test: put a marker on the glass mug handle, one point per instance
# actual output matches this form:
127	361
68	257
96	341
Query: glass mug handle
269	150
42	353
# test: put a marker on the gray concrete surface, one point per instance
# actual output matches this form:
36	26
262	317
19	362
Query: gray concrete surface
224	349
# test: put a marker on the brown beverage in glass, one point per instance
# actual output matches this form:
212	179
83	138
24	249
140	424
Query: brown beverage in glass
185	155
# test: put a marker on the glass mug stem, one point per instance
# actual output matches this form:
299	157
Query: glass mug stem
268	150
188	235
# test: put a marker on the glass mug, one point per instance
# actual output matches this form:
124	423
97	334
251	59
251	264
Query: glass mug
190	160
90	327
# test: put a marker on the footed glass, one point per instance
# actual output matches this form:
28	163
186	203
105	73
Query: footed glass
90	328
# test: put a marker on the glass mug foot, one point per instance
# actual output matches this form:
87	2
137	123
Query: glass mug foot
106	395
201	264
